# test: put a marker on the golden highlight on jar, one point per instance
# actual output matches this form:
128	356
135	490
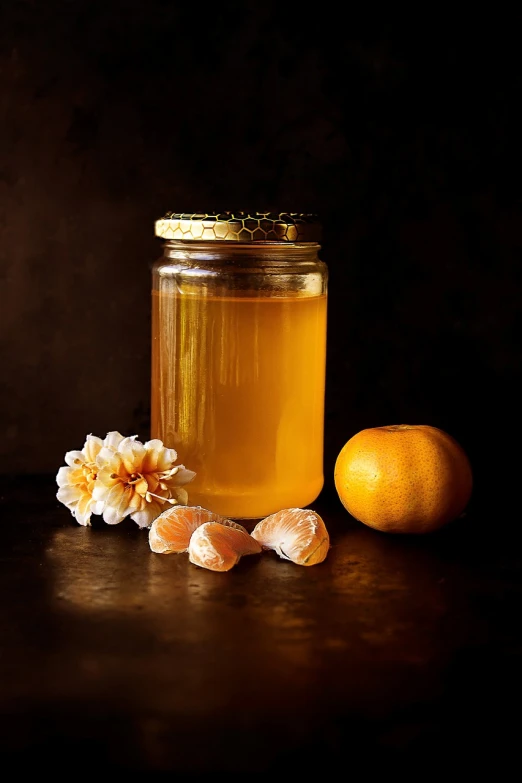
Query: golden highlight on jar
239	312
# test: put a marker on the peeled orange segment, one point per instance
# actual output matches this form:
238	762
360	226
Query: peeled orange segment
171	531
296	534
219	547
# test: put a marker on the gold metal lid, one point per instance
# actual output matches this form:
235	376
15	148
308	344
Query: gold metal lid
240	226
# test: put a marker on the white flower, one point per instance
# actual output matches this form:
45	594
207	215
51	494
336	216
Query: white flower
76	481
137	480
120	477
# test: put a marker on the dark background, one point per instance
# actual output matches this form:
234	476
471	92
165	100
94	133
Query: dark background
402	132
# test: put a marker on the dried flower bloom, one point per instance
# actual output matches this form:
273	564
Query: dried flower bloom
121	477
76	480
137	480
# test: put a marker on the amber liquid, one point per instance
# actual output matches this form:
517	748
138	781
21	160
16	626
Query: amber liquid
238	389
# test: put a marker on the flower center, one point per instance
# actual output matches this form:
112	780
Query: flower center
90	471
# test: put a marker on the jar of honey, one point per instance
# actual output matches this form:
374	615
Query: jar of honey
239	311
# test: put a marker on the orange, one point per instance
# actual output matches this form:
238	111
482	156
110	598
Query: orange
403	478
296	534
171	531
218	547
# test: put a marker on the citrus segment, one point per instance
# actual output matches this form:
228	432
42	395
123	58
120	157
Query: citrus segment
219	547
296	534
171	531
403	478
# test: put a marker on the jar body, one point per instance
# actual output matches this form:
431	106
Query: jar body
238	371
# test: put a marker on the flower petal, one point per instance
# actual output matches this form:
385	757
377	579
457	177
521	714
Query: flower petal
109	459
155	444
132	454
166	459
150	461
69	496
75	458
101	490
83	519
113	440
111	516
141	487
115	494
152	481
92	447
181	496
67	476
137	502
146	517
117	505
126	442
82	512
108	477
98	506
182	476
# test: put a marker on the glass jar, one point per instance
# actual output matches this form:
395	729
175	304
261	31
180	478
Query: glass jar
239	308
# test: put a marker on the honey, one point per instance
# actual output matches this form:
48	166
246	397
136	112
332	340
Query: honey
243	404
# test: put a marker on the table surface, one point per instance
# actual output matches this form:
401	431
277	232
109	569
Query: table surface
395	651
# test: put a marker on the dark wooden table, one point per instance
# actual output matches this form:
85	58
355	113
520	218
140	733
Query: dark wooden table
395	653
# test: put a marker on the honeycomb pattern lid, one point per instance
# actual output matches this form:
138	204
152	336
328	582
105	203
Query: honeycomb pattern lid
239	226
